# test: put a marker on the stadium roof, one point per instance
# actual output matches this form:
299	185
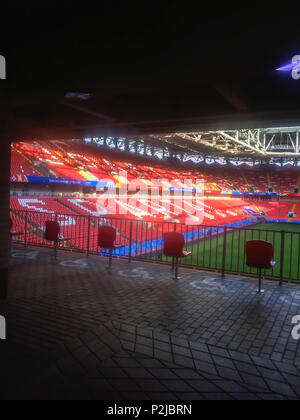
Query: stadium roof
259	143
74	73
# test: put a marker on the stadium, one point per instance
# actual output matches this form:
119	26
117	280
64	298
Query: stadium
255	196
149	205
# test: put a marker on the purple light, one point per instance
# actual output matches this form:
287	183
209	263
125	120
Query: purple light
288	67
78	95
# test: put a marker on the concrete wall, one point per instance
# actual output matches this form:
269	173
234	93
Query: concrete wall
4	212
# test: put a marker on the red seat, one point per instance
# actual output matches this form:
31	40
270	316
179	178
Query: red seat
106	239
259	254
51	234
174	247
52	231
13	233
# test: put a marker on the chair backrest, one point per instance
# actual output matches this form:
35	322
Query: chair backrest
259	254
10	223
106	237
173	244
52	230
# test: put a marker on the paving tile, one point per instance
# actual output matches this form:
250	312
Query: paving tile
113	373
127	362
247	368
230	387
163	373
203	386
162	396
187	374
202	357
68	324
223	362
125	385
127	336
271	374
151	385
145	341
291	379
184	361
199	347
219	351
182	351
240	357
263	362
139	373
133	396
164	346
288	368
130	346
204	367
177	385
229	374
163	355
256	382
215	396
245	397
272	397
189	396
281	388
151	363
144	350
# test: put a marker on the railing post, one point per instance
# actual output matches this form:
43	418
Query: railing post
282	256
26	228
56	243
224	252
130	242
89	233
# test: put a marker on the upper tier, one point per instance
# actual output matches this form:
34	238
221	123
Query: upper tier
67	160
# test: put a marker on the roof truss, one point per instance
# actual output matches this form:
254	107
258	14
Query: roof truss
257	142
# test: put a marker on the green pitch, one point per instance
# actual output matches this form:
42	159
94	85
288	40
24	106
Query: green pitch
209	253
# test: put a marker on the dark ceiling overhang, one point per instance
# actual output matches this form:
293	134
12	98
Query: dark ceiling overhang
167	71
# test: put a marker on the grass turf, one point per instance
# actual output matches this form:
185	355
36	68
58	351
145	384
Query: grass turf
209	253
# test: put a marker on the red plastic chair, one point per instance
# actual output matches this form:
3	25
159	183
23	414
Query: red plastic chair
106	239
174	247
51	234
260	255
13	233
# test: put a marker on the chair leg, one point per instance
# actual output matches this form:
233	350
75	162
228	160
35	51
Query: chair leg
110	259
55	250
176	269
259	290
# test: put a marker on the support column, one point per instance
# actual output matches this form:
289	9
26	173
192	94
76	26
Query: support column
4	212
